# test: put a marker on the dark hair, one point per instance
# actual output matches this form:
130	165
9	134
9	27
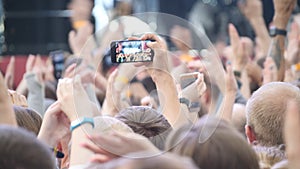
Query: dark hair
147	122
212	143
28	119
21	150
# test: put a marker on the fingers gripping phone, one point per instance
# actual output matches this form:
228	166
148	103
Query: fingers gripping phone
58	60
131	51
187	79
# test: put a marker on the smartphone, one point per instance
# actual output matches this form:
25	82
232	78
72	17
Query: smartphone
58	59
131	51
187	79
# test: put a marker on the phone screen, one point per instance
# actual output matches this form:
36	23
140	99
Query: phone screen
131	51
58	59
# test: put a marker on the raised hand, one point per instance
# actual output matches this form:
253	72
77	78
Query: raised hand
55	125
190	91
283	10
249	7
73	99
17	99
239	50
111	105
77	39
270	71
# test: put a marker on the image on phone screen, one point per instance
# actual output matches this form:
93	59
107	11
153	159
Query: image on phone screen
131	51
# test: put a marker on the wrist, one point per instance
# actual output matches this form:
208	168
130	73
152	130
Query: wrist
280	22
48	139
82	121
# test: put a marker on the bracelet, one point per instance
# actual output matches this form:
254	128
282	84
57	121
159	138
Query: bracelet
122	79
185	101
80	121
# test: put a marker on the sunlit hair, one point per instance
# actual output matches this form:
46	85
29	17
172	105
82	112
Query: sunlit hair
28	119
213	143
265	111
148	122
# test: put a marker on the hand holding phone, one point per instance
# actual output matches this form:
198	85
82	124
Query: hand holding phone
131	51
187	79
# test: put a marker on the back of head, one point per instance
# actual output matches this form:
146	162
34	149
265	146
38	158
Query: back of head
147	122
28	119
265	111
107	124
163	161
21	149
214	144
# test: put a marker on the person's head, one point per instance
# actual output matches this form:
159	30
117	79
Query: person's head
28	119
265	112
163	161
21	150
147	122
108	124
213	143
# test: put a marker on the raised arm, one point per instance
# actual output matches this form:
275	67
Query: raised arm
7	113
283	10
257	22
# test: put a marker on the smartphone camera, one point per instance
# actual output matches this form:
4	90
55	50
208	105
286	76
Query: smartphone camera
58	59
131	51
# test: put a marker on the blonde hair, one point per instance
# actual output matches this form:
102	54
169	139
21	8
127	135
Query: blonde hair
265	111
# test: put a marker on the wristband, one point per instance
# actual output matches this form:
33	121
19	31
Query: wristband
122	79
80	121
185	101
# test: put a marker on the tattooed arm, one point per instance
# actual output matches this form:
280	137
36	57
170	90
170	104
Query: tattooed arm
283	10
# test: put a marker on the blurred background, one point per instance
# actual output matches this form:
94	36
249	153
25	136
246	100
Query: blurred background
35	26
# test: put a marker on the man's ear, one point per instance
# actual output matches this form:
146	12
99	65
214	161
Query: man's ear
250	134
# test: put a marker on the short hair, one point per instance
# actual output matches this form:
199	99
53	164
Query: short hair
28	119
162	161
148	122
213	143
21	149
265	111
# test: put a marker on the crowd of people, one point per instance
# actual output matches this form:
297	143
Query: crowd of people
240	112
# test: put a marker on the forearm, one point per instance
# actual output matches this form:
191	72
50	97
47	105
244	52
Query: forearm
245	88
225	111
80	155
22	87
168	98
7	115
262	33
276	51
36	93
